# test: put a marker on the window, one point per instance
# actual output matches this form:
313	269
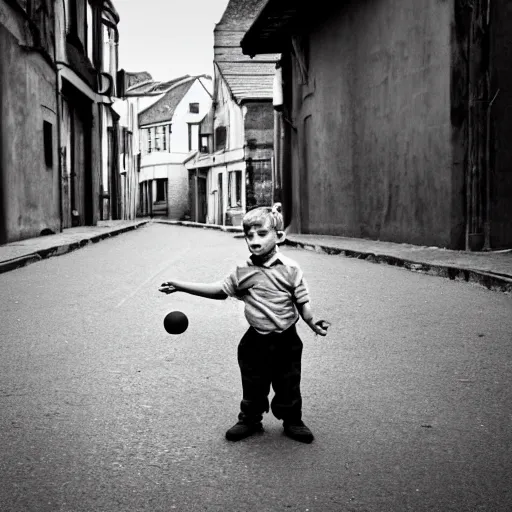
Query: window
90	40
48	143
127	148
107	52
161	189
157	138
204	144
220	138
193	108
164	138
158	145
77	23
235	189
193	137
41	14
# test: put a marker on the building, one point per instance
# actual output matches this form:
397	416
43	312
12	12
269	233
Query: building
168	116
395	118
232	172
57	132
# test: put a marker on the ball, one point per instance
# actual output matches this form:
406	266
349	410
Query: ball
175	322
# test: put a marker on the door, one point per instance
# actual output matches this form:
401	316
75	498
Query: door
201	200
77	197
220	200
78	170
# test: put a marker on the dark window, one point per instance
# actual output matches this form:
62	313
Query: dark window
161	186
220	138
48	143
193	108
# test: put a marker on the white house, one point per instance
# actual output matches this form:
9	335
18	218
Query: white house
168	135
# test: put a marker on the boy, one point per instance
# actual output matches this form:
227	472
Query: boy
269	353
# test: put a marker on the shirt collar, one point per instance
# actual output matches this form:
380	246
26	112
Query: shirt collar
271	261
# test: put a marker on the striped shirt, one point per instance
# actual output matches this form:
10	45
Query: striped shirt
270	292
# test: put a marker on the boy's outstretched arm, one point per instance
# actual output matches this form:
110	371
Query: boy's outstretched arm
207	290
320	326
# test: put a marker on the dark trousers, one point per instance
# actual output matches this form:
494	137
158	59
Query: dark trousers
270	360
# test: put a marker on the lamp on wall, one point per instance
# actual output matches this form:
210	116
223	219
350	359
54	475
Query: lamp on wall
277	89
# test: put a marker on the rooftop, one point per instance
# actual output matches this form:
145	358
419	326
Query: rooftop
247	78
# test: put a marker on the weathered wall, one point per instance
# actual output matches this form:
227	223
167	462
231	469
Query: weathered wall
501	83
30	187
177	191
374	153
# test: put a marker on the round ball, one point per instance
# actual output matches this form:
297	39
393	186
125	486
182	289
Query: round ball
175	322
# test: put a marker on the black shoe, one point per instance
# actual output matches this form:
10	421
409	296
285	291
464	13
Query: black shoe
242	430
298	431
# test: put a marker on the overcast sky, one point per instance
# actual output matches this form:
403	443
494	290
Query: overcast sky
168	38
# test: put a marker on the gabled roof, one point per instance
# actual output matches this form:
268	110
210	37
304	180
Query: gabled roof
163	109
142	84
246	78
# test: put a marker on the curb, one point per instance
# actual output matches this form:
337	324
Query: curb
190	224
58	250
490	280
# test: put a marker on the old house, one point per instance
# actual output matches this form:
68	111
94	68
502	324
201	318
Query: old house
395	118
232	171
129	145
56	88
168	116
29	175
87	64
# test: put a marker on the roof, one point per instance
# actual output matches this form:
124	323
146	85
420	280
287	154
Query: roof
246	78
142	84
271	29
163	109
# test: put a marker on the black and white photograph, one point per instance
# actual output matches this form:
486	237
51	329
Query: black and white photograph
255	256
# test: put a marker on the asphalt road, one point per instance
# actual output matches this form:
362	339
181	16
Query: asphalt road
409	396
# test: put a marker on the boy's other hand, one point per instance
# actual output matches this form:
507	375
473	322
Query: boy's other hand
321	327
167	288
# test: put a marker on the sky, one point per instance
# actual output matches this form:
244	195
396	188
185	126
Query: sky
168	38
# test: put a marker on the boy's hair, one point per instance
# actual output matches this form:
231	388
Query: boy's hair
263	213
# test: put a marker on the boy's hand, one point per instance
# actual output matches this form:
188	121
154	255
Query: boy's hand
320	327
167	288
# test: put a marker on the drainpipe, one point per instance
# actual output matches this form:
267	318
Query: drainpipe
487	224
59	132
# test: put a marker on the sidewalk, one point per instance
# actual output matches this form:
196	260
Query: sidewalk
492	270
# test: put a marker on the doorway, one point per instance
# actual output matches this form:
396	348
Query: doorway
220	200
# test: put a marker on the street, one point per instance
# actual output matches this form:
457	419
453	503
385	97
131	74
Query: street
409	395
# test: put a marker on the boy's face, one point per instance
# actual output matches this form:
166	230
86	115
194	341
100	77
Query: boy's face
262	239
